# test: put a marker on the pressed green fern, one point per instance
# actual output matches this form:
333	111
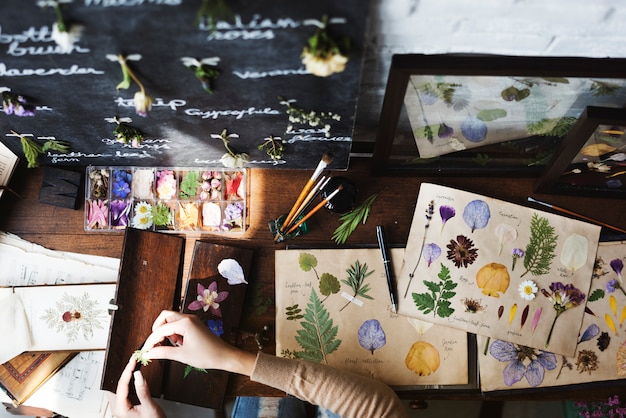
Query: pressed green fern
356	277
540	250
318	336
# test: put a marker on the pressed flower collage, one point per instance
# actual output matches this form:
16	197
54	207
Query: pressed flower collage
333	307
497	269
165	199
453	113
601	341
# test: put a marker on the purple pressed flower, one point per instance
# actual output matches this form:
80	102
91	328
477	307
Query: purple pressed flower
216	326
208	299
617	265
431	252
444	131
563	297
612	286
233	211
516	253
446	212
524	362
120	210
14	104
591	331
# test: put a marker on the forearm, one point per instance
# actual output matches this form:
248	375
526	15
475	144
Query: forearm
347	394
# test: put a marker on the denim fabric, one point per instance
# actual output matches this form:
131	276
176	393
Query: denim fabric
255	407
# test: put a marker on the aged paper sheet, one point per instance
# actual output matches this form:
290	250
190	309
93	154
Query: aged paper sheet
497	269
362	334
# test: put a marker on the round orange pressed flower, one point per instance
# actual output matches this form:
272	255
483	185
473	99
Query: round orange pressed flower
493	278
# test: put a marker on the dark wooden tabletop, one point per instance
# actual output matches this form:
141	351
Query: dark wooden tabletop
272	192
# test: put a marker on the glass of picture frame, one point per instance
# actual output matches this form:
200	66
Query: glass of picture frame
592	158
474	114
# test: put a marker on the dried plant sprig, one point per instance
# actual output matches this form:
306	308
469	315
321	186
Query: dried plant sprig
308	117
211	11
143	102
33	149
231	159
205	70
139	356
126	134
274	147
351	220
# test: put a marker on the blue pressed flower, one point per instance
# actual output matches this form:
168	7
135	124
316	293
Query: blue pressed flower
120	189
524	362
614	183
612	286
216	326
591	331
431	252
444	131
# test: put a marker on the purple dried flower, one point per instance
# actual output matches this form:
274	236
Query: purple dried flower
120	210
617	265
524	362
446	212
563	297
14	104
431	252
371	335
444	131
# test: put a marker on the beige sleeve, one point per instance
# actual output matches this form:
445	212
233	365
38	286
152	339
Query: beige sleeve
347	394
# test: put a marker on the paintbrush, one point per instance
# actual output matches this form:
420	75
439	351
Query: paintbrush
569	212
315	191
327	158
315	209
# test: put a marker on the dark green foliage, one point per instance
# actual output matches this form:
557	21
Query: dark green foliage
438	300
318	336
540	250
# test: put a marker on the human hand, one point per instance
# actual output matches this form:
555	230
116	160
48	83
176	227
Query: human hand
122	407
194	344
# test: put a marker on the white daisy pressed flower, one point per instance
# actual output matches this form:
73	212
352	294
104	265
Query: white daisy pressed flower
527	290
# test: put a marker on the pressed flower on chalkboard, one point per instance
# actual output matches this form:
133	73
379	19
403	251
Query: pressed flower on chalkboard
274	146
124	133
143	102
63	34
16	104
211	11
205	70
302	116
33	149
323	55
231	159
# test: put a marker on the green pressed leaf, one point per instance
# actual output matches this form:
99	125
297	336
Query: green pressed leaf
438	300
307	261
329	284
189	184
561	80
318	334
596	295
541	249
488	115
424	302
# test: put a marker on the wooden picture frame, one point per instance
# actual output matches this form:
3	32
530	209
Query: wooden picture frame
591	159
522	107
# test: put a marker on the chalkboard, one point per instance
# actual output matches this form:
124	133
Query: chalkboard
259	50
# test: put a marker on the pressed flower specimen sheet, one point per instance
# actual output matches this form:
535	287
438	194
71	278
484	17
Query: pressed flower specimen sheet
333	307
601	343
497	269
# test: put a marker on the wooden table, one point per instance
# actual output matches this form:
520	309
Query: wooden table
272	192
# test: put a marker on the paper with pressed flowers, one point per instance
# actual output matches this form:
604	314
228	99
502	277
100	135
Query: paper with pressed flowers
497	269
63	317
453	113
601	343
344	292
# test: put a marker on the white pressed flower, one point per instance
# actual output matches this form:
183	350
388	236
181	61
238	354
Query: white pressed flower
527	290
66	38
143	103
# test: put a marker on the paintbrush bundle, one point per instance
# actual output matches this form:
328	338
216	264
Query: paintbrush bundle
304	207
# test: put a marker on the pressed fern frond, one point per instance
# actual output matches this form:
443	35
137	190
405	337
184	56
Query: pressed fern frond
351	220
540	250
318	334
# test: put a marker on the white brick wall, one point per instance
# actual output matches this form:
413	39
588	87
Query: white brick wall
584	28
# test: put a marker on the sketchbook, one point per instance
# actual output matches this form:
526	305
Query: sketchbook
333	307
600	349
497	269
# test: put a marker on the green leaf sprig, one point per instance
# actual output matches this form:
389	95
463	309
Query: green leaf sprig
438	300
32	150
540	250
351	220
357	273
138	355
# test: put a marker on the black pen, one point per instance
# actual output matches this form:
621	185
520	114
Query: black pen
380	235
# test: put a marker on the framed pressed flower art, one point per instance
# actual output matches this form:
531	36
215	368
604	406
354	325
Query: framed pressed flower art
592	158
486	114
